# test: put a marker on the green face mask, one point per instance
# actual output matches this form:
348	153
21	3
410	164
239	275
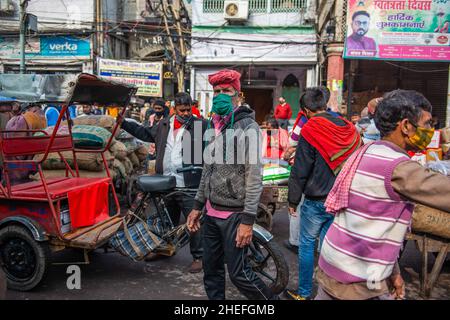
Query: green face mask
222	104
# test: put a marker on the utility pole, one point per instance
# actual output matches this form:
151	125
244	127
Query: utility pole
23	28
179	64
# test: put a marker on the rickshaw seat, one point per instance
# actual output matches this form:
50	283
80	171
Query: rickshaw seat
156	183
57	187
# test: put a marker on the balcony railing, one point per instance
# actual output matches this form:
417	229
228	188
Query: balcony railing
287	5
258	6
213	6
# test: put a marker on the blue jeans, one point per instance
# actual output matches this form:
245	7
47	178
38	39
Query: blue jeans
314	222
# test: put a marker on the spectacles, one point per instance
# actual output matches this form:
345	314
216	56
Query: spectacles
428	124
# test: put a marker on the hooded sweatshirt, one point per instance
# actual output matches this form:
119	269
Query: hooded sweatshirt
235	183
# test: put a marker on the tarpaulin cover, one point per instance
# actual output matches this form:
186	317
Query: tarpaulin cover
89	205
36	88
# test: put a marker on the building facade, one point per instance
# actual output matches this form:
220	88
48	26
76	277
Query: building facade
70	36
274	47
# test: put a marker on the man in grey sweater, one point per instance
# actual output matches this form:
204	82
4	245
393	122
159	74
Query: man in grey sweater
230	190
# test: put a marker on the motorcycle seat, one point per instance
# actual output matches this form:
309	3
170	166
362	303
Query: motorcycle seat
156	183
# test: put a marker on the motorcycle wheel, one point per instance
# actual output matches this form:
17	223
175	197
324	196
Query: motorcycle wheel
267	260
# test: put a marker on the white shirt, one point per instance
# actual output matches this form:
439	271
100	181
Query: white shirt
173	157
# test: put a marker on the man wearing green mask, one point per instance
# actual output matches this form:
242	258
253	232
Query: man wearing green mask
230	192
373	200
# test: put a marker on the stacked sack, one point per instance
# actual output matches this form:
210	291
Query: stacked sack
133	152
125	154
90	164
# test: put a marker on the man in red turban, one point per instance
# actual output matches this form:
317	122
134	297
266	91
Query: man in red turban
226	78
230	190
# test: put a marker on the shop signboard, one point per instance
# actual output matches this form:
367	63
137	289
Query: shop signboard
408	30
54	47
147	76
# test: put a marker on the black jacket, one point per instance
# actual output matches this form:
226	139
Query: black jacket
310	174
158	135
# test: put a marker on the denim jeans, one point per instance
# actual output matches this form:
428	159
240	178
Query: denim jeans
294	226
314	223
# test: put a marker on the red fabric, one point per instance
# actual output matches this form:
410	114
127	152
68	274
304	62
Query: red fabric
276	144
196	112
177	124
283	112
89	206
330	139
226	77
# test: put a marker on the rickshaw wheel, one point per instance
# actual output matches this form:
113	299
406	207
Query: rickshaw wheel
24	260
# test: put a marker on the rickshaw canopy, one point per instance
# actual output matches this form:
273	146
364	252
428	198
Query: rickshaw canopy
64	89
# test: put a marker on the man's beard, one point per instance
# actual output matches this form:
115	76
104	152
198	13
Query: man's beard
361	32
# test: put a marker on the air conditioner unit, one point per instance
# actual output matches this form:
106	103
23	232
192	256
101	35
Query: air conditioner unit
235	10
7	6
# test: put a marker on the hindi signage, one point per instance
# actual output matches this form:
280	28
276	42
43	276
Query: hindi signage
147	76
398	30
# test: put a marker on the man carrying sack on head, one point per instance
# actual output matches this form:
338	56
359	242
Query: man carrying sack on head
230	191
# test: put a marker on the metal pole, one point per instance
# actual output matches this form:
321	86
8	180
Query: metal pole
23	18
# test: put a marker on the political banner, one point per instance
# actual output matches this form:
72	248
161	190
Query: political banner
147	76
408	30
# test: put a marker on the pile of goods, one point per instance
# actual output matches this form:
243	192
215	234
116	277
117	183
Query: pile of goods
125	154
274	173
431	221
437	158
437	150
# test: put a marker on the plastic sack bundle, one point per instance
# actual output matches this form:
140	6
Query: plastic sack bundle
90	137
440	166
137	240
276	174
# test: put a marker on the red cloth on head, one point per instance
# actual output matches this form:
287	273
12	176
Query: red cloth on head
226	77
334	143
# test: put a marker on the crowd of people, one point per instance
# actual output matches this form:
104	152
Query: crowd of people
349	200
351	190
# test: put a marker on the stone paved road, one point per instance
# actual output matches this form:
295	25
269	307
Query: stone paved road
112	276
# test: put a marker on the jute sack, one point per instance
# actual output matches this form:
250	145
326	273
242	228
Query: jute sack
128	166
103	121
119	150
432	221
131	145
62	173
142	152
85	161
134	160
119	168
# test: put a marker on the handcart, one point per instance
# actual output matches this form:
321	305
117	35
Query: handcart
35	217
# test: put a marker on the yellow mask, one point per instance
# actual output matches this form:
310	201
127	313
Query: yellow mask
422	138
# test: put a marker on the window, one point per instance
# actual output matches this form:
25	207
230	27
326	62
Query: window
258	6
213	6
287	5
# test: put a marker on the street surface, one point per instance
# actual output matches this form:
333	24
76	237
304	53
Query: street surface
112	276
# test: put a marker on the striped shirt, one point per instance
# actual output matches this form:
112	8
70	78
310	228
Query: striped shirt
364	240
